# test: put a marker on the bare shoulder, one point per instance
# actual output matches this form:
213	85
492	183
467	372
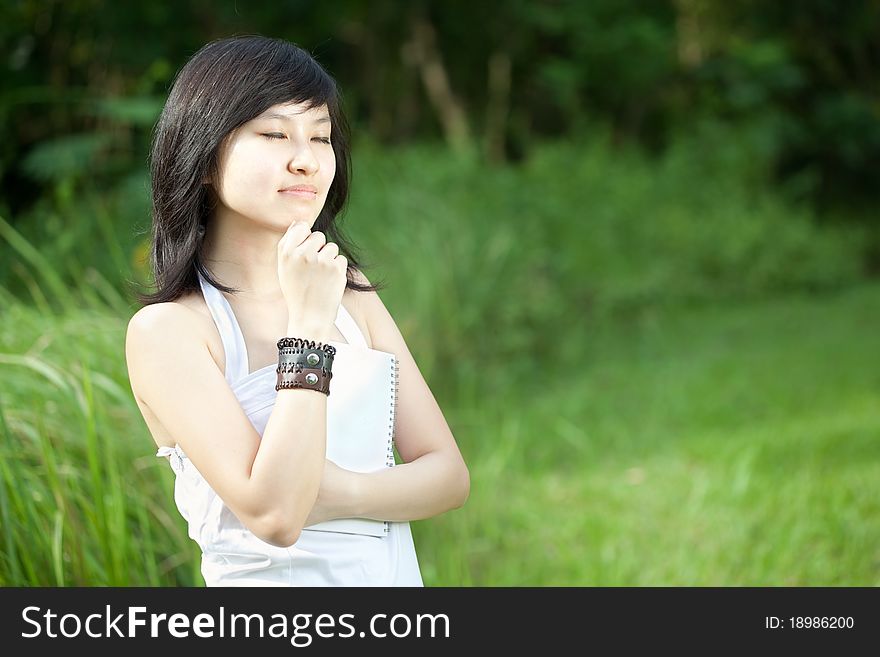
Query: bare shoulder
164	319
158	319
159	324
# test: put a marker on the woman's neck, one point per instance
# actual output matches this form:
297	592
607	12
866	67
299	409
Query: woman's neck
244	257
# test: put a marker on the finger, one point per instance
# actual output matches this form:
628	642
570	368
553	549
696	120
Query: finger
316	240
296	227
297	232
330	249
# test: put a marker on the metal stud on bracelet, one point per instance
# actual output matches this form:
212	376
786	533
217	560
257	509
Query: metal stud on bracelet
295	355
311	380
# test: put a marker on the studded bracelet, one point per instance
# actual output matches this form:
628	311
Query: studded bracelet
305	364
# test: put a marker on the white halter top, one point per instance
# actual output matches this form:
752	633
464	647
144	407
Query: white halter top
360	427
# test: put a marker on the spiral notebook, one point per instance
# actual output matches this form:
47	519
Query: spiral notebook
360	422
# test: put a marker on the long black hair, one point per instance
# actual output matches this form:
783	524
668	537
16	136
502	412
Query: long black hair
227	83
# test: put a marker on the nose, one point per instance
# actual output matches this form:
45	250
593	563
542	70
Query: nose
303	159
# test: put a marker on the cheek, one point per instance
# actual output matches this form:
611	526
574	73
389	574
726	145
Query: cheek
247	170
328	166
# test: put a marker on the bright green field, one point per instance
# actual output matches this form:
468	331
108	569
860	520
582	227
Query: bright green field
714	446
653	382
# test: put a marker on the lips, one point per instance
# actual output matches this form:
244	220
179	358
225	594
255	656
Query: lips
304	195
300	188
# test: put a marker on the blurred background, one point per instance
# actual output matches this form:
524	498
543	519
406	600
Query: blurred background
633	246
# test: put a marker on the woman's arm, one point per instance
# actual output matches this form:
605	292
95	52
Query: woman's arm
268	482
433	478
434	483
426	487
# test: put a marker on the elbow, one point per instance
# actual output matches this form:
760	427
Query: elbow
285	538
280	533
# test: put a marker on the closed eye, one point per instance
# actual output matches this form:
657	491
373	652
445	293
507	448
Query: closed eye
276	135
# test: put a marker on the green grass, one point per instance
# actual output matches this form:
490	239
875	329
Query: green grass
690	446
652	381
722	446
81	501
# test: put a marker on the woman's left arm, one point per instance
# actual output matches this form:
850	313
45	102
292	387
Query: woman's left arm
433	478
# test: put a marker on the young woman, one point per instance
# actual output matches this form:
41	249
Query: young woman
284	474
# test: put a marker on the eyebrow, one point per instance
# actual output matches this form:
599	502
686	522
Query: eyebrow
287	117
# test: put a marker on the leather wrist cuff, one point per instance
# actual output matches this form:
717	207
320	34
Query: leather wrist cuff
304	364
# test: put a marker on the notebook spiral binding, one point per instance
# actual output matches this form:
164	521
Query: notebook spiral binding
389	455
395	377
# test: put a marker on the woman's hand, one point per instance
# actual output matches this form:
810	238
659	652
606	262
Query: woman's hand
334	495
312	274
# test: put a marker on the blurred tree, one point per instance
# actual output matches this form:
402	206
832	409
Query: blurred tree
84	79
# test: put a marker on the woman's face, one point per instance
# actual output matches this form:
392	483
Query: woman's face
282	148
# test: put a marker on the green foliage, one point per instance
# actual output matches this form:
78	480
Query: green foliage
81	502
716	446
579	230
693	225
648	70
596	388
651	290
132	111
64	157
580	233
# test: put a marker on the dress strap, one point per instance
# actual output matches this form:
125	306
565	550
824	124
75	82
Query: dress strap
230	332
349	328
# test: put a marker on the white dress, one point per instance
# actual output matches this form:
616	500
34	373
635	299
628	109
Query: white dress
343	552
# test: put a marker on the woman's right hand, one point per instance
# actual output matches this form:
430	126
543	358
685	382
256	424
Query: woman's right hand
312	275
